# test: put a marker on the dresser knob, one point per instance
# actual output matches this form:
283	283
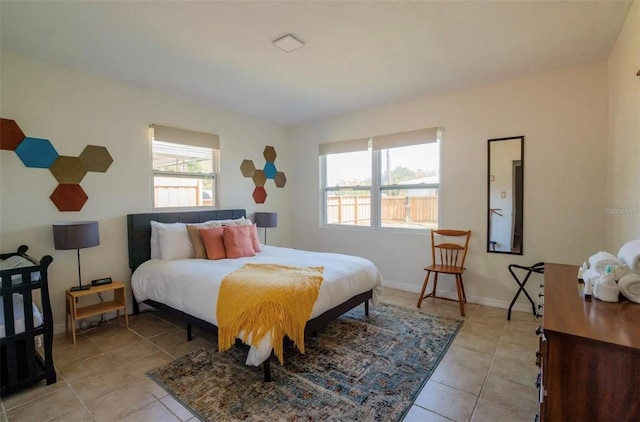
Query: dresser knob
540	294
538	315
540	305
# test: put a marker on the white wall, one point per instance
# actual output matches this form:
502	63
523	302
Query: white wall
563	115
623	181
73	110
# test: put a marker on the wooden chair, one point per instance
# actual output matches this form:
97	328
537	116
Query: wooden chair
450	260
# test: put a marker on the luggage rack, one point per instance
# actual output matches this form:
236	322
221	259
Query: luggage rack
537	268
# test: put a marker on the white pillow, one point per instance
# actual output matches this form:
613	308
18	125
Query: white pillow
155	238
175	243
237	222
156	247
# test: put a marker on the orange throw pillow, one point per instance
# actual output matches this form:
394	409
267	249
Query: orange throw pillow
237	241
213	239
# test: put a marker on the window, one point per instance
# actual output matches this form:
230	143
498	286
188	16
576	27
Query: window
390	181
185	164
348	191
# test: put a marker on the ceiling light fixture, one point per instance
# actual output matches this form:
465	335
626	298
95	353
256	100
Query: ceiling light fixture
288	43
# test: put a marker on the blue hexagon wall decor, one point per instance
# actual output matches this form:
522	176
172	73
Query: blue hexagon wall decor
270	170
35	152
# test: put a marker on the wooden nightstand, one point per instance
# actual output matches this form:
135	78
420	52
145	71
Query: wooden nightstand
75	313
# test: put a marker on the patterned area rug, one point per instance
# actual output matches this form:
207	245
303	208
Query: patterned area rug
358	368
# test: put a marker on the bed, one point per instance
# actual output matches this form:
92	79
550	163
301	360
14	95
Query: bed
22	323
348	281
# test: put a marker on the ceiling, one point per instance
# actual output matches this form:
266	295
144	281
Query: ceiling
357	55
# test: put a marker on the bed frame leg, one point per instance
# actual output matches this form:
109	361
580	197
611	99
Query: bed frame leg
267	370
366	307
136	306
189	336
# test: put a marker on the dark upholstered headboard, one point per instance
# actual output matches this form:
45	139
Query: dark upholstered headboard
139	228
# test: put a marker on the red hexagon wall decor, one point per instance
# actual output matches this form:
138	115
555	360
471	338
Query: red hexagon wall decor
10	134
69	197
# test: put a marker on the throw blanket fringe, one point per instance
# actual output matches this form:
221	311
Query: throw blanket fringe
267	299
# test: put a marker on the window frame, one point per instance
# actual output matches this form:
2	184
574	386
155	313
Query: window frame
191	139
325	189
376	188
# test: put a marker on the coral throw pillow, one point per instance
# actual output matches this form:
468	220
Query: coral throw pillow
194	234
213	239
237	241
254	238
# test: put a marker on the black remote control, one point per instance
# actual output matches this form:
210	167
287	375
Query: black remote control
101	281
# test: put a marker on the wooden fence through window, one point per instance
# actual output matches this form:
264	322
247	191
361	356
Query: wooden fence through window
356	209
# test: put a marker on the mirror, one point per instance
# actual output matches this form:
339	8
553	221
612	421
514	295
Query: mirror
505	192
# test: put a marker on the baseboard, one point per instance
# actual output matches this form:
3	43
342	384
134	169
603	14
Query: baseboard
58	329
486	301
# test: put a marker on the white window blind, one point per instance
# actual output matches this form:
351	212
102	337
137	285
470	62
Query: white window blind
185	137
405	139
353	145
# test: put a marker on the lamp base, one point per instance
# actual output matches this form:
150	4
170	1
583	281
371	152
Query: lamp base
78	288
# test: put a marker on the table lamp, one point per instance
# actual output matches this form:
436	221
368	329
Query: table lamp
76	235
266	220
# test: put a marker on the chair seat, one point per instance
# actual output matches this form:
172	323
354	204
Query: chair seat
446	269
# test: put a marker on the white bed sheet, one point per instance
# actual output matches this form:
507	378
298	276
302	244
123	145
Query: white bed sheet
192	285
18	315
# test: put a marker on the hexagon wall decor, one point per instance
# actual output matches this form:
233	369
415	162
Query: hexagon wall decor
35	152
270	170
259	195
269	154
280	179
10	134
247	168
96	158
260	177
68	171
68	197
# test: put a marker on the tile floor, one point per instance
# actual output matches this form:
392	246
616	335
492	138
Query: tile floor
487	374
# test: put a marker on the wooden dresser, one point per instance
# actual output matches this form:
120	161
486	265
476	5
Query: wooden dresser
590	353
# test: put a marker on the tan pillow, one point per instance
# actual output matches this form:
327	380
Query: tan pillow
194	234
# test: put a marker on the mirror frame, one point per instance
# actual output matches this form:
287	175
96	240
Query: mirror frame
489	142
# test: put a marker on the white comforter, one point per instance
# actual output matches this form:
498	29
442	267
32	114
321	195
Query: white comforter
192	285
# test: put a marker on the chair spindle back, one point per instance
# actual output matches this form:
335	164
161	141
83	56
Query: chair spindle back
450	254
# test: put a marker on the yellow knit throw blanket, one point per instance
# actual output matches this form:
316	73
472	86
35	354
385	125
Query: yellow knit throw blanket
259	299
